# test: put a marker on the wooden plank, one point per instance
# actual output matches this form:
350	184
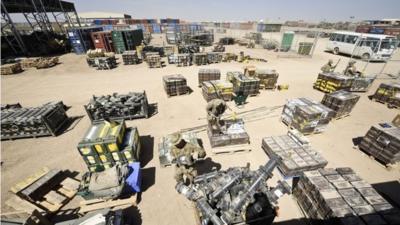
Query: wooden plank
29	180
19	204
70	184
55	198
67	192
50	206
230	149
109	204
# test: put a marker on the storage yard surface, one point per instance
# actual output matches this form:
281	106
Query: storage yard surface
74	83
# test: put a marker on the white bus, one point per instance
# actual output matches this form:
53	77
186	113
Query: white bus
374	47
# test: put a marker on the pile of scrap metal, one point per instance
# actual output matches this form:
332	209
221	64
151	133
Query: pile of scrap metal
202	38
100	59
45	120
237	195
46	62
188	48
118	106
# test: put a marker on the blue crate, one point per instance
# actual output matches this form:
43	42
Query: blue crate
134	180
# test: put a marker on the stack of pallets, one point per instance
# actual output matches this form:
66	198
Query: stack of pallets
342	102
388	93
130	58
107	143
217	89
175	85
383	143
295	157
208	74
306	116
45	120
340	197
118	106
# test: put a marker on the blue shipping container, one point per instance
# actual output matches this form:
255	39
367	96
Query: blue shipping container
376	30
107	27
156	28
80	38
97	22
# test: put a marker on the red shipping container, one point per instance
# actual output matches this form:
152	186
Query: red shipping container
103	40
394	31
363	29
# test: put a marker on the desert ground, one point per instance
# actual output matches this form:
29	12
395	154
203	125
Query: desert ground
73	82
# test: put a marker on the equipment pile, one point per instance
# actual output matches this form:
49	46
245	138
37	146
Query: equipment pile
100	59
175	85
130	58
342	102
388	93
118	106
153	60
332	81
45	120
208	74
248	86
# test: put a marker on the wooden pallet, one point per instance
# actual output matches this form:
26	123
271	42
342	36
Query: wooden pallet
96	204
35	218
390	106
178	94
229	150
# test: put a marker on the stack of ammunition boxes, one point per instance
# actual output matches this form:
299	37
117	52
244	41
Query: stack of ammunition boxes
45	120
330	82
153	60
250	70
105	63
208	74
295	157
268	78
106	143
217	89
383	143
200	59
12	68
175	85
361	84
214	57
234	134
340	197
248	86
342	102
118	106
130	58
183	59
388	93
306	116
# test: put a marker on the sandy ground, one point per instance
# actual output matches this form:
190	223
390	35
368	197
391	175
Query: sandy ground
74	82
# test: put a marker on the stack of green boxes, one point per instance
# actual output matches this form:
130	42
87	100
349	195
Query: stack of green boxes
106	143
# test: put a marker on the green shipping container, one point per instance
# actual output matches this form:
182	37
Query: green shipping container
305	48
118	41
287	40
133	38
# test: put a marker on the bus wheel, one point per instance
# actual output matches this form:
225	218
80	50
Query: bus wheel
365	56
336	51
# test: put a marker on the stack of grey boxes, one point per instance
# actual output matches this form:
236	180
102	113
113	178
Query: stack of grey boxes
307	116
383	143
175	85
118	106
153	60
208	74
214	57
130	58
200	59
295	156
340	197
342	102
183	59
45	120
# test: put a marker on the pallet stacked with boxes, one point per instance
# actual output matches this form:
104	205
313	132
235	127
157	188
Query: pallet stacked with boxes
208	74
330	82
306	116
268	78
388	93
45	120
130	58
200	59
383	143
153	60
295	157
214	89
342	102
214	57
340	197
175	85
107	143
118	106
183	59
248	86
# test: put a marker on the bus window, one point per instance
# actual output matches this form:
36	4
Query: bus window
351	39
371	42
388	43
339	37
332	38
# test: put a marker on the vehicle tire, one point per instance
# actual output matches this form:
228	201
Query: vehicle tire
365	56
336	51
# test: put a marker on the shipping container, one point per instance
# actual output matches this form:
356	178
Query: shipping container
103	40
80	38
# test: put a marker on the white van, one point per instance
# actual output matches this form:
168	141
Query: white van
374	47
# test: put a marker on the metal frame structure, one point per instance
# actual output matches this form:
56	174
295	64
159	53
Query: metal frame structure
36	13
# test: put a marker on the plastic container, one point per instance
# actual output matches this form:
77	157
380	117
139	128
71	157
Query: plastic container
134	179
